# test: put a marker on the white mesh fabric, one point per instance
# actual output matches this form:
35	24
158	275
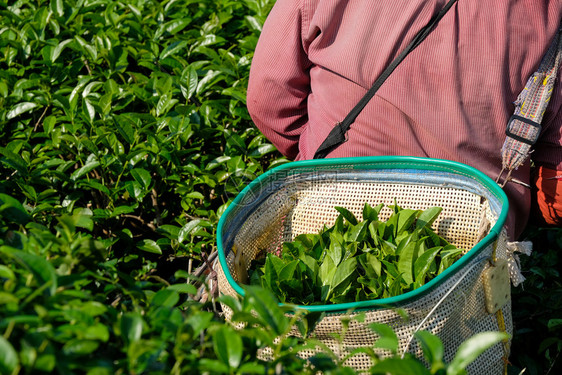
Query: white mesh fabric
305	207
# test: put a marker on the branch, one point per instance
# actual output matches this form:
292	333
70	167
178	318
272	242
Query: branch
141	220
154	197
40	118
207	264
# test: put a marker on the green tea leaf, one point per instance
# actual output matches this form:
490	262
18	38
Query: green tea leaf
374	231
105	104
131	325
389	230
135	190
277	263
149	246
142	176
395	287
423	264
371	264
88	110
57	7
12	209
165	103
387	337
20	108
262	150
267	309
126	127
428	216
309	321
292	250
406	238
82	218
554	324
90	165
372	213
183	288
273	265
41	269
189	81
200	321
9	360
390	268
228	346
352	262
471	349
397	366
121	210
326	274
211	366
88	48
351	219
193	227
335	250
3	89
406	218
343	274
80	347
175	26
45	363
357	232
432	349
308	240
449	255
312	266
388	247
166	298
6	273
433	239
98	332
56	52
288	271
375	287
406	261
350	250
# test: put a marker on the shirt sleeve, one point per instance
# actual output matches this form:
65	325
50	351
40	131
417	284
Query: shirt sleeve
279	82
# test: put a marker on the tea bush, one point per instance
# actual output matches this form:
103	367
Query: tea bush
123	137
537	306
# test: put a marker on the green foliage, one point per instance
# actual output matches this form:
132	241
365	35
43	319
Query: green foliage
123	137
132	112
433	352
357	260
537	306
63	316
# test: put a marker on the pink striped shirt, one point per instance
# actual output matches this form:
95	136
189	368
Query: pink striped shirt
450	98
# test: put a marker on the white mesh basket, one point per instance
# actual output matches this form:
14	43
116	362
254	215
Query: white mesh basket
300	197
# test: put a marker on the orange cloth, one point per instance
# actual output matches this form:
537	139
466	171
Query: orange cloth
548	185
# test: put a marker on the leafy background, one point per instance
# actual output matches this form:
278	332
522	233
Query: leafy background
123	137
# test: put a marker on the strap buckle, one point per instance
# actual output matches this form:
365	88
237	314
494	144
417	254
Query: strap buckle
523	132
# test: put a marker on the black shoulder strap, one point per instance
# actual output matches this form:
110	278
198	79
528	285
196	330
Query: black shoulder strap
337	135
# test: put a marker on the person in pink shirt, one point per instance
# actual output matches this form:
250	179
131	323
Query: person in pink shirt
451	98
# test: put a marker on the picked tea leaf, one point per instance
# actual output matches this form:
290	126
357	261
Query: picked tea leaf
358	260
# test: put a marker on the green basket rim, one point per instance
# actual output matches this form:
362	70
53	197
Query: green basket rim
381	162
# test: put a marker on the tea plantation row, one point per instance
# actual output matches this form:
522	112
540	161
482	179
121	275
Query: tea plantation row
123	137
